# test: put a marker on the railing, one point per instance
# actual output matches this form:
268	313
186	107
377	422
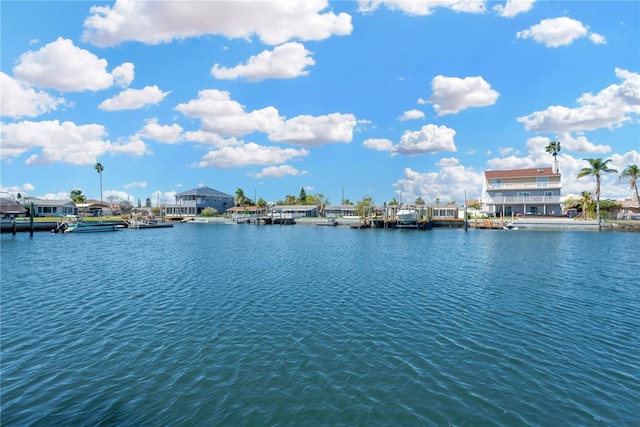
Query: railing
523	200
523	185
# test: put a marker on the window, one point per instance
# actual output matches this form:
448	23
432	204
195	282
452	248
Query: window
523	194
542	181
496	181
548	193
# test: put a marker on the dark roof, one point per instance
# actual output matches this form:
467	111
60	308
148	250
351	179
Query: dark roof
11	207
520	173
204	191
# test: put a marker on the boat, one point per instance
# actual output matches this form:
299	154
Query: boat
147	223
407	217
81	226
509	226
330	222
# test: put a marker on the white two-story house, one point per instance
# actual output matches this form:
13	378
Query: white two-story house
522	192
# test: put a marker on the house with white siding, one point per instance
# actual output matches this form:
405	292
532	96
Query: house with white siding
535	191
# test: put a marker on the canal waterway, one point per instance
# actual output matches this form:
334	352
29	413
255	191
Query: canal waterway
205	324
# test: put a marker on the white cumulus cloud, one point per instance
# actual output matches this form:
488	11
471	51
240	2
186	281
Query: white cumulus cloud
284	62
555	32
423	7
249	154
154	22
513	7
62	66
453	94
411	115
133	99
429	139
63	142
611	107
19	101
278	172
310	131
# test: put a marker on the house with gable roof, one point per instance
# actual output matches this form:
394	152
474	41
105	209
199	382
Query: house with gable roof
534	191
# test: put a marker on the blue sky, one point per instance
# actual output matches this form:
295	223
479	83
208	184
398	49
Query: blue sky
384	99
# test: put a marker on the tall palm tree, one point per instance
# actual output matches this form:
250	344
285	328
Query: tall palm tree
586	203
632	172
240	197
99	168
553	148
598	166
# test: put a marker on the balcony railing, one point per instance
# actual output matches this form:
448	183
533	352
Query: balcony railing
524	185
530	200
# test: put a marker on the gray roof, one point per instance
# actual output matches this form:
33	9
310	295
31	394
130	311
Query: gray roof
11	207
204	191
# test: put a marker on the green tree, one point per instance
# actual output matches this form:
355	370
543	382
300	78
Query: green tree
139	202
147	203
240	198
585	202
303	196
419	201
598	166
364	206
553	148
209	211
632	172
99	168
437	200
262	205
321	202
393	202
77	196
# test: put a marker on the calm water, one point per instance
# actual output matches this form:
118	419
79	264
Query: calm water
301	325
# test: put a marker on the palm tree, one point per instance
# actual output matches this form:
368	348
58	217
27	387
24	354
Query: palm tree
554	148
586	203
240	197
99	168
632	172
598	166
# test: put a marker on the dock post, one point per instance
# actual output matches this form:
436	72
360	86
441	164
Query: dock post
13	227
31	220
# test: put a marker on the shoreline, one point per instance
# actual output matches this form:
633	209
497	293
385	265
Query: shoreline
22	226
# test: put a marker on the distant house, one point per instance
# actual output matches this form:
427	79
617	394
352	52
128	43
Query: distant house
192	202
9	208
91	207
534	191
45	207
293	211
332	211
446	211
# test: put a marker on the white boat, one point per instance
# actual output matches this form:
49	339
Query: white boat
147	223
407	217
81	226
509	226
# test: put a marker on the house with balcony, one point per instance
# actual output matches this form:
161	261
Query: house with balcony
192	202
518	192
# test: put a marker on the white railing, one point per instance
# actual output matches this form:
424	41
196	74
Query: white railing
523	185
523	200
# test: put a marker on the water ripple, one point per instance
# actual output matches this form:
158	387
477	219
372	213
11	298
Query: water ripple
200	325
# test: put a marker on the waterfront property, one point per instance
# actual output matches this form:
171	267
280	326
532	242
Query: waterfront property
518	192
44	207
193	202
9	208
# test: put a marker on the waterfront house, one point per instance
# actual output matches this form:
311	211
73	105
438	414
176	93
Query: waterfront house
45	207
333	211
293	211
91	207
9	208
192	202
518	192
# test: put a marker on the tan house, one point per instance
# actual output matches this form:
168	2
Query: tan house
518	192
